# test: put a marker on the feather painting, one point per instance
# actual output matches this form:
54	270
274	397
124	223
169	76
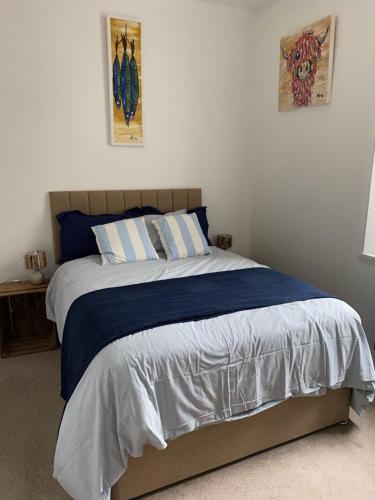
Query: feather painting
125	58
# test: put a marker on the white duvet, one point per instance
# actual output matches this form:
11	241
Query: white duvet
161	383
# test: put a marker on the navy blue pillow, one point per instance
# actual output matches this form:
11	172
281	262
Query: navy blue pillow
76	237
201	213
148	210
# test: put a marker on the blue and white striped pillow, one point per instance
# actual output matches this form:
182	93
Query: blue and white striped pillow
181	236
124	241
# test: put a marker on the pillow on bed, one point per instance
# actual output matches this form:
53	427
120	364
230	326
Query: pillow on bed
148	210
124	241
77	239
201	213
152	232
181	236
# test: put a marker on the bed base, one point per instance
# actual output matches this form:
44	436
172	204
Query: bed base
220	444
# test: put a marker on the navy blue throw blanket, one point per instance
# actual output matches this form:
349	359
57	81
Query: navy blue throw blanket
98	318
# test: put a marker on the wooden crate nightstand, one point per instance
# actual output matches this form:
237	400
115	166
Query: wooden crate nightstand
24	328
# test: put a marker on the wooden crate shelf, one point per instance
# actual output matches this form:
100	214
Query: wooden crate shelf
24	328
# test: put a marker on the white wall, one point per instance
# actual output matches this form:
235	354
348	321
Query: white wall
207	123
314	165
54	112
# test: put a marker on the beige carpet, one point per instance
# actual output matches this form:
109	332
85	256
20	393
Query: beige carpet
336	463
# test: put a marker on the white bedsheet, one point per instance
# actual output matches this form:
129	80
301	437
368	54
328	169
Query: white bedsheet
164	382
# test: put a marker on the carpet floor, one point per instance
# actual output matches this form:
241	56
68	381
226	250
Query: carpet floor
336	463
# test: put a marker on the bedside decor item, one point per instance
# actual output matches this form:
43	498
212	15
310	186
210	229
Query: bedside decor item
306	62
224	241
125	81
36	261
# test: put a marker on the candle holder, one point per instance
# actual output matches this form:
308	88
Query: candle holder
36	261
224	241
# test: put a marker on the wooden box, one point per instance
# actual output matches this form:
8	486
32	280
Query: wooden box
24	327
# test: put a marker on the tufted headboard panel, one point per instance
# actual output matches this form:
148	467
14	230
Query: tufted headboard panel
112	202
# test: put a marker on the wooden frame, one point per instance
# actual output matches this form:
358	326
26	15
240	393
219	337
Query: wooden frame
215	445
24	328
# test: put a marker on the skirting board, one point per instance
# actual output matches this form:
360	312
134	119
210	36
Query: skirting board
220	444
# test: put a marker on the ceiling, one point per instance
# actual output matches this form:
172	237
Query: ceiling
250	5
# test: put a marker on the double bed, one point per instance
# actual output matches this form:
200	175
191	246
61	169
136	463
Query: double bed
141	416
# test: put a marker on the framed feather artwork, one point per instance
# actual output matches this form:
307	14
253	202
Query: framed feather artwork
306	63
124	39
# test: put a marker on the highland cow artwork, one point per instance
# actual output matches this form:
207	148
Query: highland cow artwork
125	81
306	61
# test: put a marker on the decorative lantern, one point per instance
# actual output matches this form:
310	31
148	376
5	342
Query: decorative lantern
36	261
224	241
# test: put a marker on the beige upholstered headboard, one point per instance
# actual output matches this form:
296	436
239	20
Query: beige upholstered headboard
112	202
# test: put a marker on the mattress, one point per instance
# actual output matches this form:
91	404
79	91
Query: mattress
158	384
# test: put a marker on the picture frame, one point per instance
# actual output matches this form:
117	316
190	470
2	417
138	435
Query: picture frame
125	78
306	65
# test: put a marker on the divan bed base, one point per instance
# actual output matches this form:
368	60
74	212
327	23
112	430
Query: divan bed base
220	444
215	445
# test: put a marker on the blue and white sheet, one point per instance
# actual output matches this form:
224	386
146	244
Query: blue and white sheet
161	383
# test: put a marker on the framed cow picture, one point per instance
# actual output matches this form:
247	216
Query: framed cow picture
124	41
306	62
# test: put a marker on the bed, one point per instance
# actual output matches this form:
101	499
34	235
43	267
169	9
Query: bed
281	372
